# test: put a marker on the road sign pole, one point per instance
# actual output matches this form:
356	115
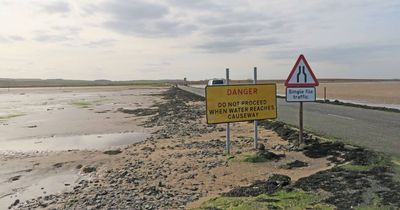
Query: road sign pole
301	124
255	121
228	130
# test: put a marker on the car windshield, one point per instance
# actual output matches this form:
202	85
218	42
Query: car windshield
218	82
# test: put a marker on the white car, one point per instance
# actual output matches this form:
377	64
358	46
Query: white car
216	82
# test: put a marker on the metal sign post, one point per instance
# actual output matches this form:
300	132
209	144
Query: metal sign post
301	123
240	103
255	121
300	87
228	129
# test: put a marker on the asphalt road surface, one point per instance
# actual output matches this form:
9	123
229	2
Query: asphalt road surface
377	130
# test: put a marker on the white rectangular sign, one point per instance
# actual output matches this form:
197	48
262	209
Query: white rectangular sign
300	94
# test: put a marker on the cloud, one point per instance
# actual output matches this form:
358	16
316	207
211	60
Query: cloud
142	18
234	31
58	34
56	7
67	29
354	54
134	10
3	39
10	39
17	38
342	54
235	45
100	43
195	4
51	38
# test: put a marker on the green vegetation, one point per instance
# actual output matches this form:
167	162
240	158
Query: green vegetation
82	104
9	116
353	167
252	158
374	161
230	157
281	200
396	169
376	208
375	204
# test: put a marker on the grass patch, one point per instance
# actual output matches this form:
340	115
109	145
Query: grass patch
281	200
9	116
353	167
376	160
252	158
82	104
396	169
375	205
376	208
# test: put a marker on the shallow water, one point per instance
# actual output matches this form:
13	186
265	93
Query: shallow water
79	142
41	119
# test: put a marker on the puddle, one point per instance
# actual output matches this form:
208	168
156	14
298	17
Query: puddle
81	142
37	186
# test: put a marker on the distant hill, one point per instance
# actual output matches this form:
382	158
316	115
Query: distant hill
5	83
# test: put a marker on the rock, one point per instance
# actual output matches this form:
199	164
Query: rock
295	164
267	155
89	169
15	203
273	184
112	152
58	165
14	178
261	147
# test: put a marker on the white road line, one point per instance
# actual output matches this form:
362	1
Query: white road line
343	117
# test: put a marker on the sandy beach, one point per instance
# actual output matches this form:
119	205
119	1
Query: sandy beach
381	93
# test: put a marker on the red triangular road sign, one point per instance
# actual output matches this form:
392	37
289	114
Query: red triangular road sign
301	75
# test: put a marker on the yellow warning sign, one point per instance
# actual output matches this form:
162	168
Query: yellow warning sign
235	103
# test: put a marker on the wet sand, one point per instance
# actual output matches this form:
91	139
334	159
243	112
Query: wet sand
37	122
383	93
40	114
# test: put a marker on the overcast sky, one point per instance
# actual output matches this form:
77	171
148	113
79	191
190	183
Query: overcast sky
165	39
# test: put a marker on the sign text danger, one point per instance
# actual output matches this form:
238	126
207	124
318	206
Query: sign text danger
235	103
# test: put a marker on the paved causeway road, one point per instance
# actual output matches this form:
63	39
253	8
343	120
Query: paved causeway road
378	130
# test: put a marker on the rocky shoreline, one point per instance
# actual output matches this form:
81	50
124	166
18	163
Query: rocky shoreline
183	164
